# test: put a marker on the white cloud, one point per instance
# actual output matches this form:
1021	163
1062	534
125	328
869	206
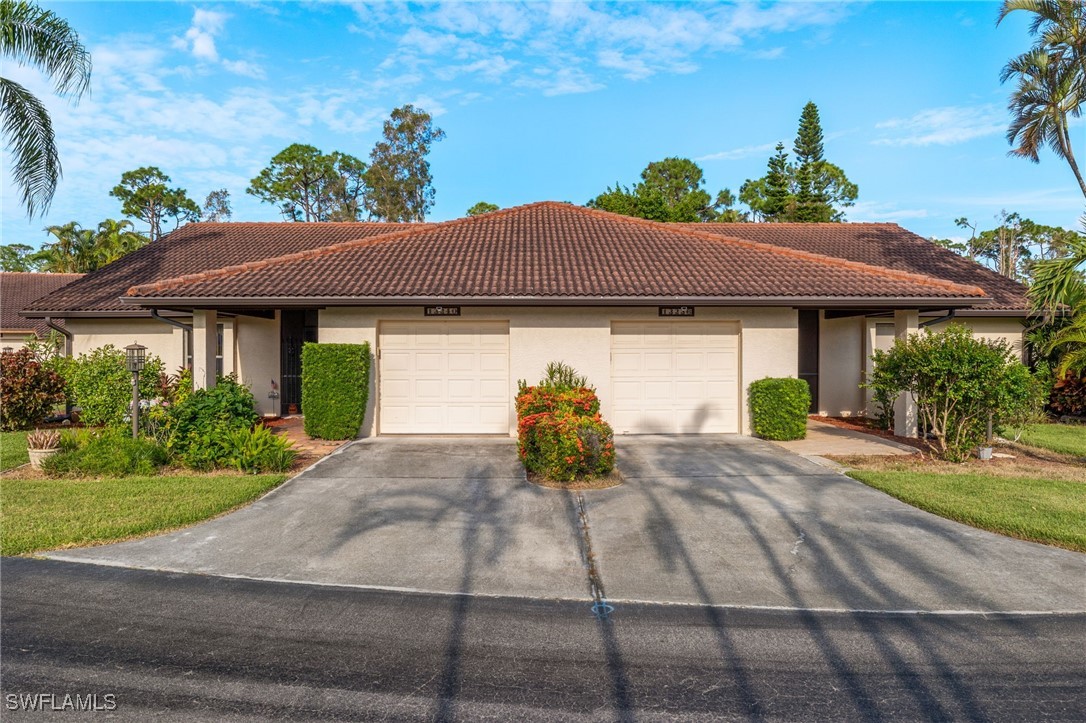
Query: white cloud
577	43
199	41
945	126
244	67
769	53
875	211
737	153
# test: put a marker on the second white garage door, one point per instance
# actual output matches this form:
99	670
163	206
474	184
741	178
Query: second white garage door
444	377
673	377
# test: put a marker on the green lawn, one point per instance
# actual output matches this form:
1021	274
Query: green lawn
1061	438
13	450
44	514
1038	509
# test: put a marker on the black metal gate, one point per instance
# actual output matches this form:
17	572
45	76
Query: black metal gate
296	328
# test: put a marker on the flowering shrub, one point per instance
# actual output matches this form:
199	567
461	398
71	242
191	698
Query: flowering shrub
28	389
560	433
536	400
564	446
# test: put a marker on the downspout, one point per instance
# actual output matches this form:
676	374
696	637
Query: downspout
171	322
939	320
63	332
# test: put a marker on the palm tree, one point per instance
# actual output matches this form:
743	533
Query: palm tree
73	252
1051	79
32	36
115	239
1059	293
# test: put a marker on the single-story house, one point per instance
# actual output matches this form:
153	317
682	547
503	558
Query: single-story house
670	322
17	290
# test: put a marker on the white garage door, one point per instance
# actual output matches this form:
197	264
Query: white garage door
444	377
674	377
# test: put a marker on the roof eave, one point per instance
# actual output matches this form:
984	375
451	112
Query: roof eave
928	303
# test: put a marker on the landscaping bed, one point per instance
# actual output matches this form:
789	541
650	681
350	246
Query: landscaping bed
870	426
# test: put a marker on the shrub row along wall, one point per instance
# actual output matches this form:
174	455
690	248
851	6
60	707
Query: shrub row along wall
335	389
561	435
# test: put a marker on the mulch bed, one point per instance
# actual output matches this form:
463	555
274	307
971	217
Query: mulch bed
869	426
597	483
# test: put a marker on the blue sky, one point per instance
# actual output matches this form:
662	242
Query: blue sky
553	101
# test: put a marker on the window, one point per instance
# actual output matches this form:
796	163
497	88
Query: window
186	348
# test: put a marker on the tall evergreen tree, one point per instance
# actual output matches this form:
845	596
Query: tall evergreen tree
777	187
812	201
400	187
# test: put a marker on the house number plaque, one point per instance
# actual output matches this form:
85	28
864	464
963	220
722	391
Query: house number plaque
442	311
676	311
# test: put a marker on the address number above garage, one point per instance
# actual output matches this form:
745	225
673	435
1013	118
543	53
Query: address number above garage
676	310
442	311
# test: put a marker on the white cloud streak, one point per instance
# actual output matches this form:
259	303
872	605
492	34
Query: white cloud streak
944	126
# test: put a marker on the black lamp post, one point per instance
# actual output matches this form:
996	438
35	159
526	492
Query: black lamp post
135	357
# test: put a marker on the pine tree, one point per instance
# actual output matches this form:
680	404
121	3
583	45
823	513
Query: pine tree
812	200
777	189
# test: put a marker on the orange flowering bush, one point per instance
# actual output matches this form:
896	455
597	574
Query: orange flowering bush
560	433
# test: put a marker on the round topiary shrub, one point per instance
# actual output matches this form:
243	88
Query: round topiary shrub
779	407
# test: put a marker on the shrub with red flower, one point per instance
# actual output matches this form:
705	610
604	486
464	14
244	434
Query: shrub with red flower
560	433
28	390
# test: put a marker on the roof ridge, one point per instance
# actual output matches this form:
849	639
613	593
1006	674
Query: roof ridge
234	269
418	229
793	253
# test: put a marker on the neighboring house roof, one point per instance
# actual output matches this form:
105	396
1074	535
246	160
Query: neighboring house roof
882	244
18	290
192	248
550	253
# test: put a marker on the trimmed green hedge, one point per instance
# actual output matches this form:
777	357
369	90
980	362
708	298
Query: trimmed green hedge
335	389
778	408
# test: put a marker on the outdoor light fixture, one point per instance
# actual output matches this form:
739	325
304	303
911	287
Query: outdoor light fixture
135	356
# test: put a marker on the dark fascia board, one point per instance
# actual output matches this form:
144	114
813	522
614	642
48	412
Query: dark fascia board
133	313
1015	313
927	303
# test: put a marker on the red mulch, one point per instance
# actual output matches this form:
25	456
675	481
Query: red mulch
869	426
309	449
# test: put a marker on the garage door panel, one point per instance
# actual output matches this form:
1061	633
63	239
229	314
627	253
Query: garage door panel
675	377
444	377
626	361
494	362
493	389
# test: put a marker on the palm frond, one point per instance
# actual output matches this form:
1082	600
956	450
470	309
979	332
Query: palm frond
28	135
33	36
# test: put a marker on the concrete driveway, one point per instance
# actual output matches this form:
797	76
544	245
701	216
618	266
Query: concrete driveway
719	520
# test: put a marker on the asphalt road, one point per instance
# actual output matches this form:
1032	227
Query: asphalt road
190	647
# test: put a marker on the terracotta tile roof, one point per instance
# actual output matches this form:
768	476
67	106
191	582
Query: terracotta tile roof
556	251
198	247
18	290
880	244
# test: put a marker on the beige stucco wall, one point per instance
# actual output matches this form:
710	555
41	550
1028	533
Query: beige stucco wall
15	340
984	327
840	364
256	348
580	337
162	340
